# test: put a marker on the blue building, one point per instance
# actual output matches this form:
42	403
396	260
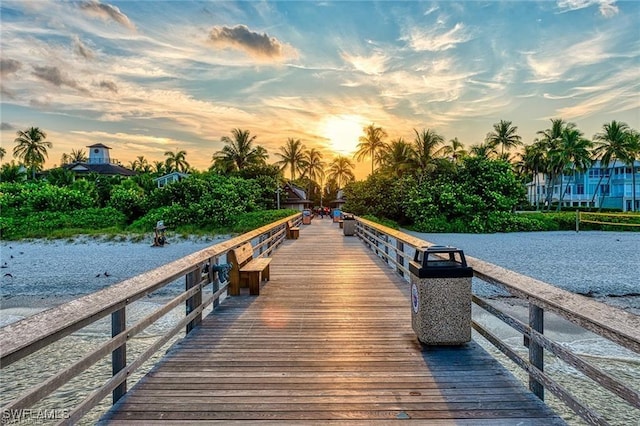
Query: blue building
610	187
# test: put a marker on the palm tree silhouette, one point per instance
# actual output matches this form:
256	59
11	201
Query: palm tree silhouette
292	156
176	161
32	148
504	135
371	144
341	170
612	144
238	152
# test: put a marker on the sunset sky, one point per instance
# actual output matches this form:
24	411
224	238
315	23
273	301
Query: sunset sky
145	77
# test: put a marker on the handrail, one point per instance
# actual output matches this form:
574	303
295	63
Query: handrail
397	248
23	338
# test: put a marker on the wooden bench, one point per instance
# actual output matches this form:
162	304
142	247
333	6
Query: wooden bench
293	232
246	271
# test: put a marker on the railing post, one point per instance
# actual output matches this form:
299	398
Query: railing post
192	279
536	354
399	257
214	279
119	355
386	248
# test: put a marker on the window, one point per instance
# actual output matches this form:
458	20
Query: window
580	189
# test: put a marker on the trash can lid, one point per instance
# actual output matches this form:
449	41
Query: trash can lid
440	262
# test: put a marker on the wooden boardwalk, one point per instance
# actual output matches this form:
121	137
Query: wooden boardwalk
328	340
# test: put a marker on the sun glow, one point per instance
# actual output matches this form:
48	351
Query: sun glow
343	132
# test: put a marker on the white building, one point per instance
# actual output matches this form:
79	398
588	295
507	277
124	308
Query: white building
610	187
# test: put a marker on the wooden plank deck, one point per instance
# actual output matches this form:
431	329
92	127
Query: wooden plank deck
328	341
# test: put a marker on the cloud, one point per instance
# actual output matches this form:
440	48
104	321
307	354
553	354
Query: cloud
6	126
433	40
617	93
9	66
81	49
256	45
556	61
54	76
109	85
106	12
372	65
607	8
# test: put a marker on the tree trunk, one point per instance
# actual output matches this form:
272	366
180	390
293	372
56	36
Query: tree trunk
561	192
633	186
595	192
608	183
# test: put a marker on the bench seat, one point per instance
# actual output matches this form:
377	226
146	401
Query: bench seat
247	271
293	232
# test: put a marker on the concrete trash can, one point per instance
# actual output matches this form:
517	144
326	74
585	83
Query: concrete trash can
349	225
441	296
306	217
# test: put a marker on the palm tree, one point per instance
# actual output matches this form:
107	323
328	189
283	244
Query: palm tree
634	153
371	144
427	148
32	148
455	150
398	159
76	156
533	161
550	142
574	150
313	165
176	161
341	170
259	156
292	156
238	151
2	153
11	172
140	164
159	167
504	134
483	150
313	171
611	145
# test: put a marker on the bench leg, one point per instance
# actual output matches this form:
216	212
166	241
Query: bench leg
265	274
254	283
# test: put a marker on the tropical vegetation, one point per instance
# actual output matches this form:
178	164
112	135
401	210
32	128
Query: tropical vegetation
427	184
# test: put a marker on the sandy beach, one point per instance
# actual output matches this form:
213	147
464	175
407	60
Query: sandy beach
40	274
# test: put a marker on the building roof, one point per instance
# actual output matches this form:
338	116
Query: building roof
295	193
101	169
98	145
168	175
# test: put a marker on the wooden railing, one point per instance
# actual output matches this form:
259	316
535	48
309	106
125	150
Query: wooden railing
30	335
397	249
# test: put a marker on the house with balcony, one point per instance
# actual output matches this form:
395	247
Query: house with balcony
99	162
607	187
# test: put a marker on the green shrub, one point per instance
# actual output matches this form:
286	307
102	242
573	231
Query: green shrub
51	224
129	201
